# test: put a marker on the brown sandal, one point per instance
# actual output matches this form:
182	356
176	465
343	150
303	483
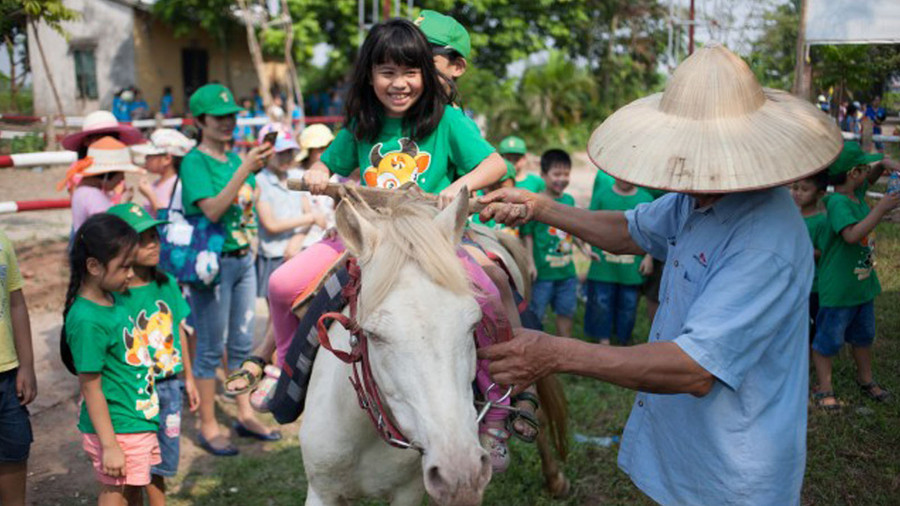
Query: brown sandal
820	397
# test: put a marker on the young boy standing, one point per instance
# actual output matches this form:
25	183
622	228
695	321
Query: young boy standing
807	194
515	152
18	386
614	281
848	283
551	248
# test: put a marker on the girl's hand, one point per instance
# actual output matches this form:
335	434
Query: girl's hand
646	267
256	158
316	181
320	220
26	385
112	462
190	388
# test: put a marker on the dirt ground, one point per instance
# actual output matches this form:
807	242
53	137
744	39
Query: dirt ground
59	472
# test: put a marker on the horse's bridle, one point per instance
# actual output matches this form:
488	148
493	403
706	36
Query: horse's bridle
363	382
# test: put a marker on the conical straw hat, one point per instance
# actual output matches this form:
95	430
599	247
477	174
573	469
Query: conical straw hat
715	130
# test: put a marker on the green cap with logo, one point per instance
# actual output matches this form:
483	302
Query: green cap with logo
444	31
512	145
851	156
213	99
135	215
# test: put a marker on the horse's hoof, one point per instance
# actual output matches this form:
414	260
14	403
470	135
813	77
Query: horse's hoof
559	486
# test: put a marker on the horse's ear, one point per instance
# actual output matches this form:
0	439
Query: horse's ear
452	219
356	231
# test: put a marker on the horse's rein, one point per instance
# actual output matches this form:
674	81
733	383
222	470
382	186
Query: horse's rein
363	382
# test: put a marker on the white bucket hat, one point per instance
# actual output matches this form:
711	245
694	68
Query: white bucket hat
715	130
165	141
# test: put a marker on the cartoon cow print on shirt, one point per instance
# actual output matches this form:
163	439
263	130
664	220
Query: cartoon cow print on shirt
395	168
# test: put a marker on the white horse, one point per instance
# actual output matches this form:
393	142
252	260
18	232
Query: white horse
419	313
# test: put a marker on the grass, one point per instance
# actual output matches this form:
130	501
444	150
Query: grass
852	457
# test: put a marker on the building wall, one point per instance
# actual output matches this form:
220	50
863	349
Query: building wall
106	26
158	61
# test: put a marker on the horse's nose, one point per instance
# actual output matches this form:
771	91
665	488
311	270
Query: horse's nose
450	485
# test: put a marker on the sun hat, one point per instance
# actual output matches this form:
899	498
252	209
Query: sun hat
165	141
136	216
512	145
102	122
851	156
313	137
442	30
213	99
103	157
715	130
285	140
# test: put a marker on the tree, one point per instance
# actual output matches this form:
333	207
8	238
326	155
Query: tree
12	27
773	54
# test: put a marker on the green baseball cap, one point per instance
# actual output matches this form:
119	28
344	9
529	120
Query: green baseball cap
512	145
851	156
213	99
135	215
444	31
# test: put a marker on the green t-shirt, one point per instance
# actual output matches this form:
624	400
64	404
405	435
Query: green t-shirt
552	247
532	183
847	271
203	177
101	342
819	233
394	159
619	269
155	312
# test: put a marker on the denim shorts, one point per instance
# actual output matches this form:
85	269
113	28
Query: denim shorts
854	325
611	309
15	426
170	401
561	294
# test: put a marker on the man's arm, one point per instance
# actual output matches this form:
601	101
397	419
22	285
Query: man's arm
608	230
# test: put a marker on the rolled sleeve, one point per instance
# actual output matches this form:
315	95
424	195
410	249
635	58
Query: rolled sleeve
739	311
652	224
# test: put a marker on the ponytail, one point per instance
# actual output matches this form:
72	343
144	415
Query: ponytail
103	237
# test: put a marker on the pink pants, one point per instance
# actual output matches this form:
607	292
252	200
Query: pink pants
290	280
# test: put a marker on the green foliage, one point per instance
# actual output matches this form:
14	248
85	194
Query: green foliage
51	12
185	16
891	101
772	57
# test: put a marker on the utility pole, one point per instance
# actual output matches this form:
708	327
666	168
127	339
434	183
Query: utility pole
802	72
691	31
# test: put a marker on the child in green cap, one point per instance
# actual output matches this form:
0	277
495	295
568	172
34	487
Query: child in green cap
515	152
156	309
848	283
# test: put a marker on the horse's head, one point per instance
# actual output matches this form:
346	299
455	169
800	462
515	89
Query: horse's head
419	313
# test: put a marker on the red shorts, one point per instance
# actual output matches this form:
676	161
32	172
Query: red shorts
141	453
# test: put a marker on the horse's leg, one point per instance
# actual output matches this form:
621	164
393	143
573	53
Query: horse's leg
557	483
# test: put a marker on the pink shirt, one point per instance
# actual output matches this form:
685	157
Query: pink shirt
86	202
163	192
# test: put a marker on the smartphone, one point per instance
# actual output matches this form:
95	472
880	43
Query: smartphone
270	138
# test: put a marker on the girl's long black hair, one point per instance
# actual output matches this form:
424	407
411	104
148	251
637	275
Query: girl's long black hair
400	42
104	237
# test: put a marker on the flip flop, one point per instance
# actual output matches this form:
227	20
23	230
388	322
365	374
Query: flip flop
242	431
228	451
243	374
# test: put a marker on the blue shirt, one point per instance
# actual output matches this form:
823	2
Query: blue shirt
734	298
285	204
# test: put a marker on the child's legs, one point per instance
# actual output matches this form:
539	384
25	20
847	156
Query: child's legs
565	300
169	437
289	280
112	495
831	327
15	441
860	336
541	293
626	311
598	313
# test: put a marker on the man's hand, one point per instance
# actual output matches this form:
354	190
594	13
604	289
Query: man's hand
26	385
499	210
528	357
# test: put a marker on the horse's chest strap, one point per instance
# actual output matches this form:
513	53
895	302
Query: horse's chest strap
358	357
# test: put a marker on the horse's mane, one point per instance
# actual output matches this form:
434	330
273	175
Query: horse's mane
407	233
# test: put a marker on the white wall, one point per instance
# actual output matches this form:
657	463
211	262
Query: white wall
105	24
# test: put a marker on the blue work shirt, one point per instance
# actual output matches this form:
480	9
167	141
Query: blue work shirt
734	298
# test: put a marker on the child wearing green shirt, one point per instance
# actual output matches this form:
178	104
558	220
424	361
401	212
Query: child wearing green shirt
614	281
807	193
848	283
515	152
18	386
551	249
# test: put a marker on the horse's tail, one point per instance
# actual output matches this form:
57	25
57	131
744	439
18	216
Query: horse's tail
556	411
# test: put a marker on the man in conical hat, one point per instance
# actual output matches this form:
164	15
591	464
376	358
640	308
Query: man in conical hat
720	416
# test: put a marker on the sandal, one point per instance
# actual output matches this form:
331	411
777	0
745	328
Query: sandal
869	391
243	374
820	397
260	396
526	416
494	440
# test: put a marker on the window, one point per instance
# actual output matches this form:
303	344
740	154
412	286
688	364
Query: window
85	73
